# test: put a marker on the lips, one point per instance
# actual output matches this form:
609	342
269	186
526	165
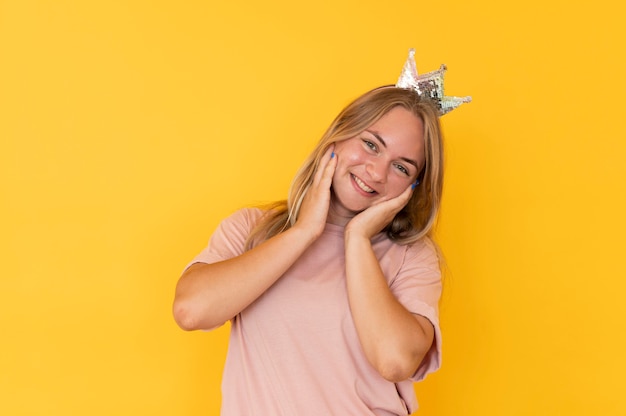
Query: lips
362	185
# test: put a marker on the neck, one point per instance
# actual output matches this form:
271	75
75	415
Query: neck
337	214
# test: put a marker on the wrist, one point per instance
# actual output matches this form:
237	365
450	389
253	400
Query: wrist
352	236
306	234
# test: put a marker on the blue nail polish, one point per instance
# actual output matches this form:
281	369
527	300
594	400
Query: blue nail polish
332	155
413	185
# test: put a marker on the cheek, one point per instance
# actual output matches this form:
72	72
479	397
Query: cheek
350	154
398	185
349	160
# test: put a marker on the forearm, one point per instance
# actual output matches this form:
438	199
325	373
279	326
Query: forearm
394	340
207	295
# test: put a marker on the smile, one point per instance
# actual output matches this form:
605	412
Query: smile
362	185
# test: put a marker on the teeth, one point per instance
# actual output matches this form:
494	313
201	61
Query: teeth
362	185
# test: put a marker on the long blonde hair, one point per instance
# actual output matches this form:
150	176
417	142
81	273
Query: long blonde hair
417	218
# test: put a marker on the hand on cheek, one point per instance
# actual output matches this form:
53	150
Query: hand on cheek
316	202
372	220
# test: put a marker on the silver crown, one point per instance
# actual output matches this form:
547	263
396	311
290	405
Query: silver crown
429	85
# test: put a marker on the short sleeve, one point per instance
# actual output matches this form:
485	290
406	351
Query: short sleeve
417	286
229	239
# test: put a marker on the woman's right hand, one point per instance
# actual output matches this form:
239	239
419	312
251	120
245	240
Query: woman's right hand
316	202
207	295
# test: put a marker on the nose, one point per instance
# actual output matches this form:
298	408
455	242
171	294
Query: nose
377	170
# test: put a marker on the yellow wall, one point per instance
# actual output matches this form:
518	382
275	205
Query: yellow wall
129	128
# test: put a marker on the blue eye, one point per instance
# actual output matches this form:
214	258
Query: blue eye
370	145
402	169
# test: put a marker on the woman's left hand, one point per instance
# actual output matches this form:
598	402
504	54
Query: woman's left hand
395	341
372	220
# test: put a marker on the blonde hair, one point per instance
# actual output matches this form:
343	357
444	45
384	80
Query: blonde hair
417	218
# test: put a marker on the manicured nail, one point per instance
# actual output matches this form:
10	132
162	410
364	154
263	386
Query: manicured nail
413	185
332	155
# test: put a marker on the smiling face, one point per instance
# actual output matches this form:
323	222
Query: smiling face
379	163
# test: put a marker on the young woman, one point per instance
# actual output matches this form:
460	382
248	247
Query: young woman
332	294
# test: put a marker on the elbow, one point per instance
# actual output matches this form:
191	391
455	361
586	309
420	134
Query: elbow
400	361
400	366
184	316
397	371
191	318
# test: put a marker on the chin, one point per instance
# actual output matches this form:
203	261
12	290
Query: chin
350	201
353	207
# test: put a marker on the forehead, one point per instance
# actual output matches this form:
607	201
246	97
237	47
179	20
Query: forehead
400	129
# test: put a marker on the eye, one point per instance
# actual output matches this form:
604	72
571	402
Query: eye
370	144
402	169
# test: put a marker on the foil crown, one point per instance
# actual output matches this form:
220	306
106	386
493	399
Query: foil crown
429	85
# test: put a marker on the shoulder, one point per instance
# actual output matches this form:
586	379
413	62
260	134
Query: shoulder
248	216
424	250
229	239
238	225
412	260
244	218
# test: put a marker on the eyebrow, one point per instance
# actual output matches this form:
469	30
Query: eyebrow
380	139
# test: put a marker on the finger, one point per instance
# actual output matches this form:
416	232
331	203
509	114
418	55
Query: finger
401	199
392	206
328	163
329	171
404	197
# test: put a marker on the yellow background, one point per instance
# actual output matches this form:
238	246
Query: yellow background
130	128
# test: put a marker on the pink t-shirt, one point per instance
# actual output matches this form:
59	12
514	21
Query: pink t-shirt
295	350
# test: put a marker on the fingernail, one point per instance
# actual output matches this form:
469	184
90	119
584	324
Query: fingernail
332	155
413	185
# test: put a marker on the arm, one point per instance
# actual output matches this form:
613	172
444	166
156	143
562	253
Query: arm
207	295
394	340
